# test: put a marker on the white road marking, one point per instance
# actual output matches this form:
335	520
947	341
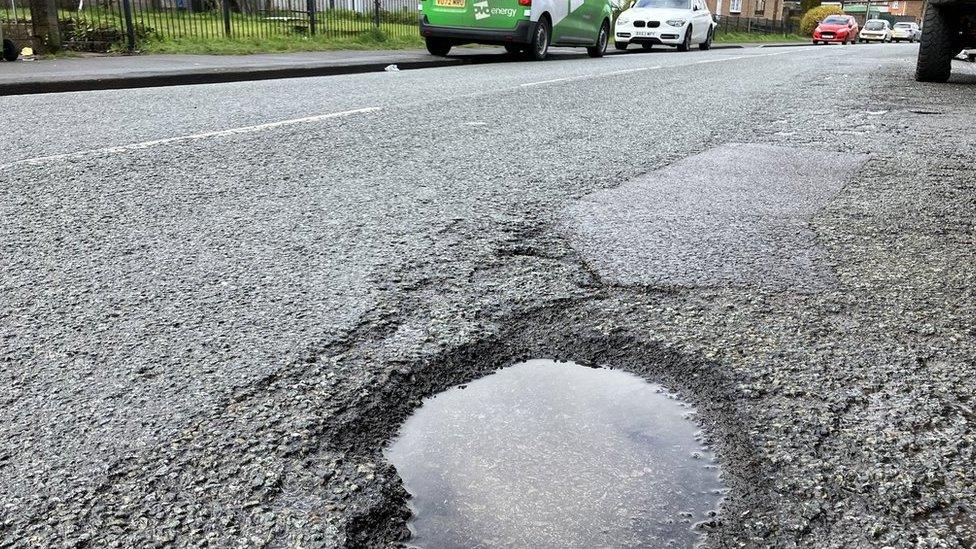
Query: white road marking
183	138
553	81
656	67
628	71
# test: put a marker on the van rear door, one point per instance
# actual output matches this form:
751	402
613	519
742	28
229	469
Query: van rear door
484	14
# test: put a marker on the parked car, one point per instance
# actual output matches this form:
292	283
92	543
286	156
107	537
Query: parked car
906	31
836	28
10	49
970	55
875	30
522	26
949	28
678	23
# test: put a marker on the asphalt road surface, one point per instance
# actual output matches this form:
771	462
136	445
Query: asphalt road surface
218	302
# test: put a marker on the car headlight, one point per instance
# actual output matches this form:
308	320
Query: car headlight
623	20
676	22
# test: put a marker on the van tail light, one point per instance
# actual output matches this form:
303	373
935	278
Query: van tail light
525	2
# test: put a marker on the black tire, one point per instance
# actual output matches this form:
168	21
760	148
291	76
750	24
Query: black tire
541	37
685	44
936	52
438	46
10	50
601	41
647	47
514	49
621	45
707	44
971	57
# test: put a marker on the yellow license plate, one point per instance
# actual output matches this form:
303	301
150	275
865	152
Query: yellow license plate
449	3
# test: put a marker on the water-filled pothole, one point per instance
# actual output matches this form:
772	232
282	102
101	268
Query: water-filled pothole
546	454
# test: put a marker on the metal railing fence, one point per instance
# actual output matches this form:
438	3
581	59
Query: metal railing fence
735	23
97	25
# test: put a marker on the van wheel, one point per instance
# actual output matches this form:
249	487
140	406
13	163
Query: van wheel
936	51
686	43
438	46
513	49
707	44
601	41
10	51
539	48
621	45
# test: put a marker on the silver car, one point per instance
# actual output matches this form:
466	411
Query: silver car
909	32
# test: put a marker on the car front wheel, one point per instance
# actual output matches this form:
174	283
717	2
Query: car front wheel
601	42
621	45
686	43
539	48
936	51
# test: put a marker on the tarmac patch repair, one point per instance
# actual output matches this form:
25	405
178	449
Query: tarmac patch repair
735	215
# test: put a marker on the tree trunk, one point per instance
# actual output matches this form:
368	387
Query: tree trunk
44	20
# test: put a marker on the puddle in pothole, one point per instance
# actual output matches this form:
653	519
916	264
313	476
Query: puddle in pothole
547	454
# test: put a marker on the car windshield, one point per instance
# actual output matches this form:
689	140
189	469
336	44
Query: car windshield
874	25
664	4
903	25
835	21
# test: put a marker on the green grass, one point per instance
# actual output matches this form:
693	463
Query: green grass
185	32
284	43
748	37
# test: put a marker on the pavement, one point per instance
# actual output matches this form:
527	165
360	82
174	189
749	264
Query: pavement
140	71
219	302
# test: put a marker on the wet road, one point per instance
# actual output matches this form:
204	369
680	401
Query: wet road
218	302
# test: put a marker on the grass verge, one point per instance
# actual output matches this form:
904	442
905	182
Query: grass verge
375	40
748	37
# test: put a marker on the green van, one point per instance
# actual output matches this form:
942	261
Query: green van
522	26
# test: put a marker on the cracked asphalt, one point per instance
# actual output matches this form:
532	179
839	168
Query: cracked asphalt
208	341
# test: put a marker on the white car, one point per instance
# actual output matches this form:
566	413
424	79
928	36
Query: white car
906	31
875	30
678	23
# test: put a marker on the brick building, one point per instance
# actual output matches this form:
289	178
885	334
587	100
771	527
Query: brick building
762	9
779	9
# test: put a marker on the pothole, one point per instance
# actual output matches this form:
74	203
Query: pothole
547	454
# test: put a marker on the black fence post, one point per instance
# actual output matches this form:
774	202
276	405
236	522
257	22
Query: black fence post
376	13
311	16
130	27
225	8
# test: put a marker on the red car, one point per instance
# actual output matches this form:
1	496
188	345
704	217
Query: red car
836	28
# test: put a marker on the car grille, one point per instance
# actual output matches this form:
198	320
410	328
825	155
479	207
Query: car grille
827	34
639	24
648	24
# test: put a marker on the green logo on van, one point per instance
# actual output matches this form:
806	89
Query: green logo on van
482	11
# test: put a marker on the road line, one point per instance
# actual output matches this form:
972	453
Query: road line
639	69
184	138
587	76
628	71
553	81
